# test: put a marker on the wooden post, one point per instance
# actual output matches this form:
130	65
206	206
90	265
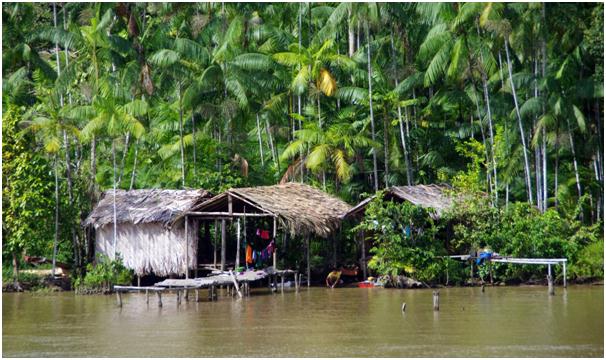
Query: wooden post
159	298
297	282
308	264
178	297
186	291
197	295
237	246
436	301
363	255
230	206
275	246
550	281
186	249
223	244
282	286
146	296
490	271
215	244
139	280
119	298
564	273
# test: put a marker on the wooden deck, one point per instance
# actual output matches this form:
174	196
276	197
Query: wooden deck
236	283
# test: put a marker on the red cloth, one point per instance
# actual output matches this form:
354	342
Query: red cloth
249	254
265	234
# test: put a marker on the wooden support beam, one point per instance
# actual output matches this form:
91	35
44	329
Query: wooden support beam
159	298
223	244
275	245
363	246
119	298
186	248
230	204
308	261
237	245
146	296
564	273
436	301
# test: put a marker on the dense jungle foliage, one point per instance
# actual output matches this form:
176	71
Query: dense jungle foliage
505	99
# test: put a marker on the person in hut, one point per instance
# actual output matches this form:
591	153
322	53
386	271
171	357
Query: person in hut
333	278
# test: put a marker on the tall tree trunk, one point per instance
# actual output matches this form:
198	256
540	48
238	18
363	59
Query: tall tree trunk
181	138
193	135
93	165
351	36
271	142
300	38
16	285
134	172
404	147
490	127
544	135
555	169
115	218
522	136
574	159
372	119
56	239
123	161
260	142
386	150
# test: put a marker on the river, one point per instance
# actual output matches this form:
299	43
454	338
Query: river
503	321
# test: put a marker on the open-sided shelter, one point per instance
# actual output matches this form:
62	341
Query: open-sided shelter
298	208
149	235
431	196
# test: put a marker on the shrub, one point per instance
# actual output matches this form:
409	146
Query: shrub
103	275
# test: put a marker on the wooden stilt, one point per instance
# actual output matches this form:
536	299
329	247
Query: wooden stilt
275	262
282	285
197	295
564	273
237	246
308	262
178	297
186	295
364	273
159	298
186	248
436	301
147	296
490	271
550	281
119	298
223	244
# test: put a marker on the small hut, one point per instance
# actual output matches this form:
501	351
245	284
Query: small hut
434	197
148	237
431	196
299	209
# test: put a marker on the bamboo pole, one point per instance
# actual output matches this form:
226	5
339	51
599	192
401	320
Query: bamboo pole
275	246
186	248
223	244
308	264
237	245
436	301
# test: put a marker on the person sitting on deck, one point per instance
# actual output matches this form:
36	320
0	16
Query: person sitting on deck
333	278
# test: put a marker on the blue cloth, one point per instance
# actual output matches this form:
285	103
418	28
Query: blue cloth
483	256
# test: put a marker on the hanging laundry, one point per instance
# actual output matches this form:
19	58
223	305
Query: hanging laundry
249	254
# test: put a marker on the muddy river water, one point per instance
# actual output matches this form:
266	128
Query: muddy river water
503	321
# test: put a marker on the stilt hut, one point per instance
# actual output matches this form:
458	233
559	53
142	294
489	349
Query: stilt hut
296	208
436	197
147	236
433	196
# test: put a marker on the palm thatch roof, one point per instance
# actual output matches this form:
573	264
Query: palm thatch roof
144	206
300	208
432	196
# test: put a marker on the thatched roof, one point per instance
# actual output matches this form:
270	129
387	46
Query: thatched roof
144	206
300	208
431	196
